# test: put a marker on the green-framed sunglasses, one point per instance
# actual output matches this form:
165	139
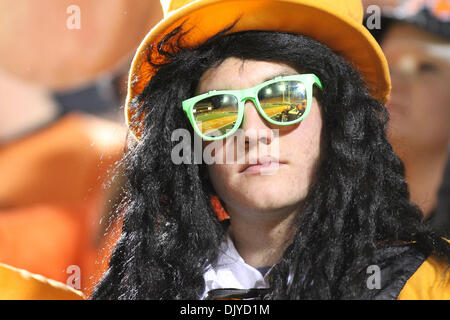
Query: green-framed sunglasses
283	101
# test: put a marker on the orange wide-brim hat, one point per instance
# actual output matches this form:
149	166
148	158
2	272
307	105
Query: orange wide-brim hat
336	23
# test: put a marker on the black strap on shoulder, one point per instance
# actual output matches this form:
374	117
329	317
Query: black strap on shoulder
397	263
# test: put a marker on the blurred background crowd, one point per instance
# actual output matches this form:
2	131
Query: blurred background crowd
63	77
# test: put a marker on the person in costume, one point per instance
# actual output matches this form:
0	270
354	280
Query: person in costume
328	217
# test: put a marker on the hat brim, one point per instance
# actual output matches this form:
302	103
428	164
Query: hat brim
204	19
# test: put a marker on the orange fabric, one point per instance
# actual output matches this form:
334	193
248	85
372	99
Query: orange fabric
17	284
442	9
442	6
218	208
336	23
52	198
430	282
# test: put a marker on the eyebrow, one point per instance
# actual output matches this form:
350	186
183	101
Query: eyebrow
280	74
276	74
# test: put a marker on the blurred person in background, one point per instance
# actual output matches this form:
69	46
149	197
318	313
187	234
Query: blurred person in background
415	37
63	70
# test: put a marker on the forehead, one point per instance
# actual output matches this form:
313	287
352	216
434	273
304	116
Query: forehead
406	36
234	73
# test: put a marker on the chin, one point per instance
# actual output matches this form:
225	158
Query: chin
267	201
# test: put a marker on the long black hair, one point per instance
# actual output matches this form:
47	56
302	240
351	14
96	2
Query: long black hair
358	199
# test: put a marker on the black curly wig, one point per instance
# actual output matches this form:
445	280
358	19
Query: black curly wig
357	201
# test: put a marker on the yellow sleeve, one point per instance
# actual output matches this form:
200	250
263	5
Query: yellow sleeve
18	284
431	281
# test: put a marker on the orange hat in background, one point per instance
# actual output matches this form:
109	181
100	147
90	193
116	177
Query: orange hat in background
18	284
335	23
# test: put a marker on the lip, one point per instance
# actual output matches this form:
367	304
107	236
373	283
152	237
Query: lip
261	165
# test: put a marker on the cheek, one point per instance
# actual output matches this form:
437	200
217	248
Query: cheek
432	97
428	113
304	140
303	146
221	177
308	136
437	100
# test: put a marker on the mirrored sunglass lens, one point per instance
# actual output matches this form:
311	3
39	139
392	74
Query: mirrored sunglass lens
283	101
216	115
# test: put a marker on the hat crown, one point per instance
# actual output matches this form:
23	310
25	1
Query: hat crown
350	8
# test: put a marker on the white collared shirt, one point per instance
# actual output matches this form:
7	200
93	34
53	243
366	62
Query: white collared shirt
231	271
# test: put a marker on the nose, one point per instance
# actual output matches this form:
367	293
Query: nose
255	127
